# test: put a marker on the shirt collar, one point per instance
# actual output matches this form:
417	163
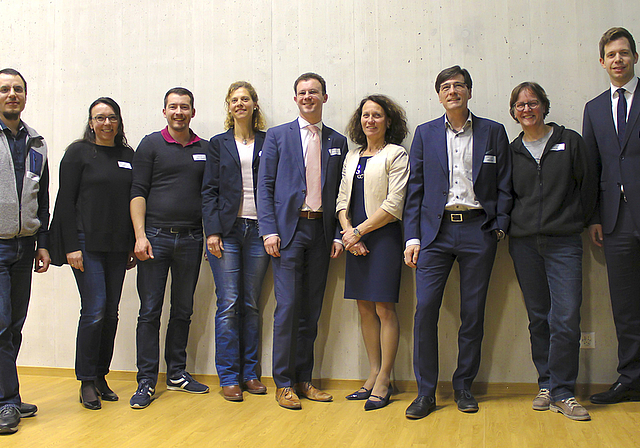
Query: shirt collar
5	127
467	125
304	123
629	87
167	137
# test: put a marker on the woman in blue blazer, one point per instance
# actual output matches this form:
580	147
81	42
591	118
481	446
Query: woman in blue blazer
234	248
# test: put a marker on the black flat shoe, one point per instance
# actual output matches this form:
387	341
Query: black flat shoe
361	394
422	406
93	405
105	391
466	401
383	401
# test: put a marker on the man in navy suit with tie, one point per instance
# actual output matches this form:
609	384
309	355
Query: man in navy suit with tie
299	176
611	128
458	204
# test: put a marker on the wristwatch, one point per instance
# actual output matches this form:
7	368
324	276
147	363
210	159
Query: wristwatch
356	232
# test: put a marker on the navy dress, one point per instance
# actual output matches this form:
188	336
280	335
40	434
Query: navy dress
376	276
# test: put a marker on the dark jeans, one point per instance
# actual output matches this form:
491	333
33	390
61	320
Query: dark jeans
549	270
238	275
100	287
181	253
16	266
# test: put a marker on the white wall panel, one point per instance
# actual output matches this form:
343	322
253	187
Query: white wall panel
72	52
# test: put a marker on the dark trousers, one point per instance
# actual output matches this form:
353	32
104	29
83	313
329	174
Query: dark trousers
622	252
181	253
549	270
475	252
300	276
16	266
100	287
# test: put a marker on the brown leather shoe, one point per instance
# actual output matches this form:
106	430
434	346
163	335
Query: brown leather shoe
308	390
255	387
287	398
232	393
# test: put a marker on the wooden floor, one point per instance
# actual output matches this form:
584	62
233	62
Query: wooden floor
179	419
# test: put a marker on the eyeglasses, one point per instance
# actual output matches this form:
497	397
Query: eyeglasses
457	86
532	105
101	119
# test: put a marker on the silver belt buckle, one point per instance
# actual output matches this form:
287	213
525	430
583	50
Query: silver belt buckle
456	217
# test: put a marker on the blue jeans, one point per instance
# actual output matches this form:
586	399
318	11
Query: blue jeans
182	253
549	270
100	287
238	275
16	266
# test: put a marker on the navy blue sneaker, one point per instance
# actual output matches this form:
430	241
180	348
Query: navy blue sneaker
143	396
186	383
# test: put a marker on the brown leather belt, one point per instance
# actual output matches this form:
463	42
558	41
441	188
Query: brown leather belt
311	215
462	216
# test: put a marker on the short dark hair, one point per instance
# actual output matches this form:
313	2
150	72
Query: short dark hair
395	133
449	73
257	119
89	134
14	72
307	76
616	33
179	91
536	89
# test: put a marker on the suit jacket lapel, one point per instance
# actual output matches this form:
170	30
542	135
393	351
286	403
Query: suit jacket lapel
257	148
294	129
633	116
440	143
480	138
230	146
326	144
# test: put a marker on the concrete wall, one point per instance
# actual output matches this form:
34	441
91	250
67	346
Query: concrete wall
72	52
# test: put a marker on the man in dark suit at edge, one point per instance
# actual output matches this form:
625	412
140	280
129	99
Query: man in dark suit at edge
611	128
299	176
457	208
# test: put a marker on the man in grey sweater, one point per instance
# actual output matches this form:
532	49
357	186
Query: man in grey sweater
24	222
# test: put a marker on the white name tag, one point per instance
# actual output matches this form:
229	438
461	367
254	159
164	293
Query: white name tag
199	157
488	158
334	151
123	164
558	147
33	176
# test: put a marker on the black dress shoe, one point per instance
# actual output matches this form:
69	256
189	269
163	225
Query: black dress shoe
421	407
105	391
361	394
381	402
27	410
465	400
616	394
90	400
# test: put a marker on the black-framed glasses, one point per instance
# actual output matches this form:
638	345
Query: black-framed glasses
532	105
101	118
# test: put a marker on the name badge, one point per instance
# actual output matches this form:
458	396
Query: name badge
123	164
33	176
558	147
489	158
199	157
334	151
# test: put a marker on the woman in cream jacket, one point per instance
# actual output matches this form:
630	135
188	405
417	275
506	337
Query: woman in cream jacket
369	207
